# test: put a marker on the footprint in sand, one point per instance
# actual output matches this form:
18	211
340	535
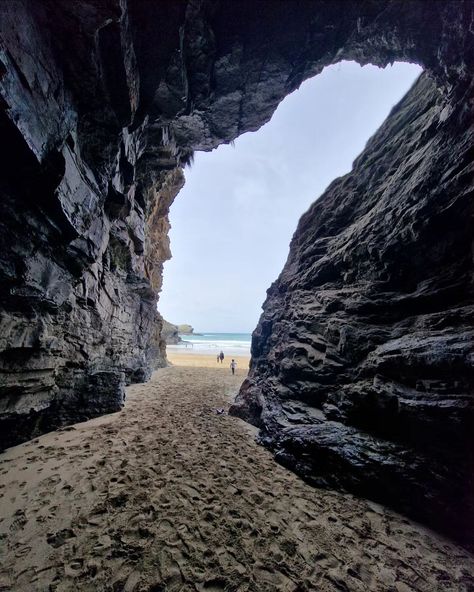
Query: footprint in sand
172	575
22	551
166	531
276	579
19	521
124	478
119	500
53	480
214	585
257	498
103	542
74	568
42	518
59	538
326	562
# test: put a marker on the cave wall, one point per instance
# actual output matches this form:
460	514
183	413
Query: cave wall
362	362
103	102
83	238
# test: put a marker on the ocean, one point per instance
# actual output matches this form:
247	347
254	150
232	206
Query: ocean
232	344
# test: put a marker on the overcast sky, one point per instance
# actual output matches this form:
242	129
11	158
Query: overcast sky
234	219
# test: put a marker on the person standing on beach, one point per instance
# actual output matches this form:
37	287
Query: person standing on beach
221	356
233	366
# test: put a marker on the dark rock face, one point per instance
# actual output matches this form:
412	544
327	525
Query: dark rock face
366	333
362	363
82	237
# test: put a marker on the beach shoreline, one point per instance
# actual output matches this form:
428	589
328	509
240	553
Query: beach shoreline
211	344
200	359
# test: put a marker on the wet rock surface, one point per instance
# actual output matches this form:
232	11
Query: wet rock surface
366	333
362	373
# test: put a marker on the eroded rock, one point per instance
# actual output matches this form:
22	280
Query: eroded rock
362	372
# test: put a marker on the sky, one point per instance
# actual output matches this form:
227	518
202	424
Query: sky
233	220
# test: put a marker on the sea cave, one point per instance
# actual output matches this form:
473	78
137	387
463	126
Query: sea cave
361	376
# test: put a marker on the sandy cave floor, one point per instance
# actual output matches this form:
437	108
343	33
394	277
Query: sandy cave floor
169	495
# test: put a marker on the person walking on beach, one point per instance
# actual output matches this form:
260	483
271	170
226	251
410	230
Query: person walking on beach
233	366
218	358
221	356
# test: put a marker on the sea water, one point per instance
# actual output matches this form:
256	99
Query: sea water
232	344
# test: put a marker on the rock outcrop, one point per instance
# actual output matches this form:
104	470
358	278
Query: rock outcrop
365	336
170	333
185	329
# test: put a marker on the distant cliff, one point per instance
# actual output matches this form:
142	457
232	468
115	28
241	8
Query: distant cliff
185	329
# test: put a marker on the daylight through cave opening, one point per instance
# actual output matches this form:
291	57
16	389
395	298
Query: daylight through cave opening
232	222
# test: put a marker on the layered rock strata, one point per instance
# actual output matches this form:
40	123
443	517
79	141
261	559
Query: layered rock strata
101	104
362	362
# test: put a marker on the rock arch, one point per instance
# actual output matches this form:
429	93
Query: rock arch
103	102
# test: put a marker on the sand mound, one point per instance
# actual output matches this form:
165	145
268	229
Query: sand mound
172	495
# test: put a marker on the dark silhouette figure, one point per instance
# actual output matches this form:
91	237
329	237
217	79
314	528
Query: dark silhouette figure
221	356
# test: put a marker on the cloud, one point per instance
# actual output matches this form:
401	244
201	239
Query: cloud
234	219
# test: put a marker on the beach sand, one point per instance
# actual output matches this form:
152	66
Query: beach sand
172	495
183	358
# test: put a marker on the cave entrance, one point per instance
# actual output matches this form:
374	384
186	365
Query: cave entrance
234	219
